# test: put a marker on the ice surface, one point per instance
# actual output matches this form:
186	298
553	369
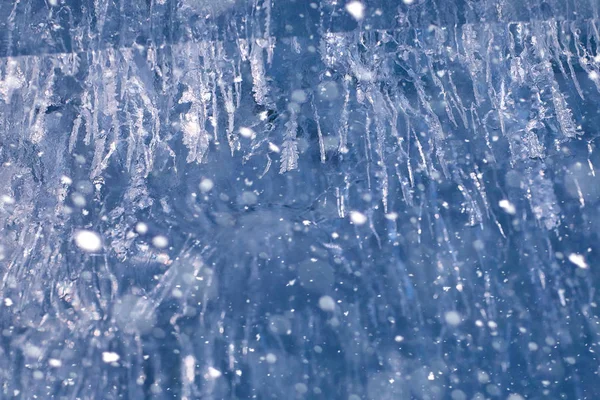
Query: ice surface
279	199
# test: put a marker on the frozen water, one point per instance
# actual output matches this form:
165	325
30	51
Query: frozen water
277	199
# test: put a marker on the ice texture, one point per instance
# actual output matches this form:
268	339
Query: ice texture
279	199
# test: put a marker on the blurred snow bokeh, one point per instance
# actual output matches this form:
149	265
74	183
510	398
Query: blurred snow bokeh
291	199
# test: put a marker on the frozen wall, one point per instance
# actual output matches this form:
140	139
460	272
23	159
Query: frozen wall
290	199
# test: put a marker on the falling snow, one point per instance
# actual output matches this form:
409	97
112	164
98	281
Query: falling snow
267	199
88	241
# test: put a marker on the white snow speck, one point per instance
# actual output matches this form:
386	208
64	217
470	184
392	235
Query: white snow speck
88	241
248	198
578	260
408	1
78	200
110	357
160	241
507	206
430	376
32	351
452	318
594	75
206	184
141	228
274	148
358	218
299	96
271	358
7	199
53	362
399	339
301	388
213	373
515	396
326	303
391	216
8	302
247	133
356	9
190	363
532	346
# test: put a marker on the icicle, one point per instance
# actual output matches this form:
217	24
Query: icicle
456	99
195	137
199	93
14	79
99	144
259	87
542	198
518	74
563	114
214	118
232	137
237	82
488	63
433	123
471	47
440	85
470	206
501	105
74	133
477	178
319	133
381	120
289	152
405	186
110	100
588	62
590	164
558	52
101	165
424	164
227	95
368	148
42	101
475	123
243	49
267	35
343	130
